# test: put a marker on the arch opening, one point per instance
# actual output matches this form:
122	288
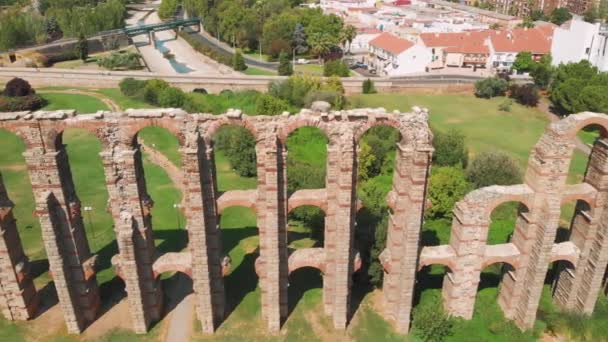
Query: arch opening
503	222
234	156
306	227
429	284
586	140
305	287
572	213
306	159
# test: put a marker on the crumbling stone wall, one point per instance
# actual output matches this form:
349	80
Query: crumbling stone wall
528	253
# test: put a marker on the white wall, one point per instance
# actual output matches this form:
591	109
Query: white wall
413	60
581	41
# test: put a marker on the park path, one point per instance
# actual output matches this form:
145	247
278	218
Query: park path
112	105
544	106
156	157
179	328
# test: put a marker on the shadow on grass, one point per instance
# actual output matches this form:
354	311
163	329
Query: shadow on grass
240	282
300	281
231	237
174	240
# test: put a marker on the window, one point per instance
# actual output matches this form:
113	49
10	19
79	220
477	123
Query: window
587	50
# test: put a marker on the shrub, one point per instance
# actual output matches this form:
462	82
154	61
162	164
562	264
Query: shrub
18	87
490	168
376	271
217	55
21	103
336	99
152	90
431	323
447	186
131	87
505	106
450	149
526	94
285	66
295	88
269	105
334	83
171	98
239	146
238	62
368	87
336	68
82	48
167	9
490	87
120	60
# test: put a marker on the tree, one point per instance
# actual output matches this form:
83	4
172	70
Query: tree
18	87
543	72
368	87
569	83
491	87
493	168
320	44
593	98
285	66
560	16
298	41
450	149
526	94
336	68
523	62
447	185
269	105
376	271
131	87
239	146
82	48
431	323
277	33
366	161
171	98
347	34
538	15
167	9
238	62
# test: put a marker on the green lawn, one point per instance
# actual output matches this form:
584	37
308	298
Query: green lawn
82	103
123	101
259	72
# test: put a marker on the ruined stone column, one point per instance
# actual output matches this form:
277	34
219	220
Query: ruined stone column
130	207
271	210
406	201
341	204
18	300
578	289
58	209
203	231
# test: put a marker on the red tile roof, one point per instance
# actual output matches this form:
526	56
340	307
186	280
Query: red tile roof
535	40
391	43
454	39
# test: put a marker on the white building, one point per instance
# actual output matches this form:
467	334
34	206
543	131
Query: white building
390	55
581	41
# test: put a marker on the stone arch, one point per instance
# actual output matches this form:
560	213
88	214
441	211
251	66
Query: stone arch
295	123
375	122
226	120
133	129
308	197
307	257
572	124
238	198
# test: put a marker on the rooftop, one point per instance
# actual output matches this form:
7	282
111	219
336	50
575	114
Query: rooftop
391	43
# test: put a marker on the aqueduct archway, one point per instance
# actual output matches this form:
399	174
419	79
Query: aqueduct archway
529	252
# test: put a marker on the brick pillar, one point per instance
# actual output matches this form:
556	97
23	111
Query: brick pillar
546	175
58	209
18	300
130	207
341	204
578	289
460	283
406	200
271	209
204	241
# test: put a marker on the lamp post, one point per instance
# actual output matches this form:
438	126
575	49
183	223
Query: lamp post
176	206
88	210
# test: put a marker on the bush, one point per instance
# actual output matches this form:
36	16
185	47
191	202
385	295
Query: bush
238	62
431	323
18	87
21	103
295	88
217	55
447	186
269	105
505	106
132	87
336	99
491	87
167	9
450	149
152	90
171	98
493	168
368	87
120	60
333	83
376	270
239	146
526	94
336	68
285	66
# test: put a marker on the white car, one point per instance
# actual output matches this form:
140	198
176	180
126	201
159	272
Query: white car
302	61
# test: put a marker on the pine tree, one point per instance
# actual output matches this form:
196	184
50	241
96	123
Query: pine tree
238	62
82	48
285	67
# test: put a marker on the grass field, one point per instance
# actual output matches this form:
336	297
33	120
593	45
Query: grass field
258	72
82	103
484	126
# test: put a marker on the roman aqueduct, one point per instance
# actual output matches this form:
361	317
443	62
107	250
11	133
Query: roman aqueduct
526	256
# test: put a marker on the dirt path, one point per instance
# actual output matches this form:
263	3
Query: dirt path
176	175
179	328
544	106
113	106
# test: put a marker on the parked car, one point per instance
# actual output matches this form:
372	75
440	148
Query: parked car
302	61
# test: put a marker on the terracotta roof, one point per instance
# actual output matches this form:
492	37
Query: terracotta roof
536	40
453	38
469	47
368	30
391	43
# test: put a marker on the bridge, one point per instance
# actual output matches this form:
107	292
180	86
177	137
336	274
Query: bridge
133	31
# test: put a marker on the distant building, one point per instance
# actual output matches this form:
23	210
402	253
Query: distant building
507	44
578	40
390	55
462	49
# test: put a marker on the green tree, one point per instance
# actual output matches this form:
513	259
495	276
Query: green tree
320	44
366	161
450	149
298	41
82	48
167	9
523	62
239	147
543	72
238	62
277	33
538	15
491	87
368	87
569	82
336	68
493	168
431	322
447	185
594	98
285	66
171	98
592	15
560	16
376	271
347	34
267	104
